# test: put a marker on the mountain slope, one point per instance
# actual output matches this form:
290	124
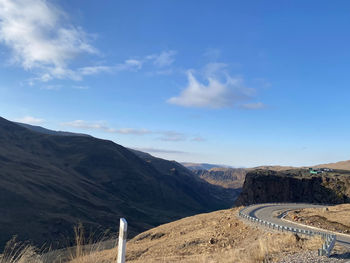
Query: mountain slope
49	183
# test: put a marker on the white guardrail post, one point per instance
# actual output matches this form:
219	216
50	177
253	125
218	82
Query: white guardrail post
329	239
123	228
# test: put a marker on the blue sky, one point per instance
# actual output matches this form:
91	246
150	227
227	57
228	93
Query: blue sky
242	83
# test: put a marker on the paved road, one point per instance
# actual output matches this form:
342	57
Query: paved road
268	213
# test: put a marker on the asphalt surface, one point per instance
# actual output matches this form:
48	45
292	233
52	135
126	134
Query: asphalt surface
268	212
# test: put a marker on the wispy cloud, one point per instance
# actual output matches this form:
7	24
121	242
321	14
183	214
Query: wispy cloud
133	131
101	126
253	106
52	87
169	136
163	59
92	70
198	139
218	90
30	120
172	136
155	150
80	87
41	38
212	53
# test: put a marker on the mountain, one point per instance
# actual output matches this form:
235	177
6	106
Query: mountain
274	168
296	185
203	166
49	183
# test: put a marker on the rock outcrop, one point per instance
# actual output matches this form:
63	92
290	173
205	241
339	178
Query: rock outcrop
264	186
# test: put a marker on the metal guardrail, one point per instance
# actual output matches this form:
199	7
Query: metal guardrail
327	246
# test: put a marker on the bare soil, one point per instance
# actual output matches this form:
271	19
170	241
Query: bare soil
333	218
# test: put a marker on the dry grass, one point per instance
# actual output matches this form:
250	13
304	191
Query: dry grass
214	237
218	237
86	248
18	252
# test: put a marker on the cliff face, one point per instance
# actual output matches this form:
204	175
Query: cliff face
294	186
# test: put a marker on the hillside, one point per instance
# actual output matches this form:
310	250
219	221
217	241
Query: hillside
297	185
49	183
217	237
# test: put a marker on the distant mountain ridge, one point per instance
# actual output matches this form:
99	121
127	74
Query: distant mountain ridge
49	183
203	166
50	132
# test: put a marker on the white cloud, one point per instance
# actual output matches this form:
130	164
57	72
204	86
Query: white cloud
253	106
164	59
30	120
215	94
219	90
41	38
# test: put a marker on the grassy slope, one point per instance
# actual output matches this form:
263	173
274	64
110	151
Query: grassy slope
48	183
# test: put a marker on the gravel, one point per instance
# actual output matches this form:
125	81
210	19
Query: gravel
311	257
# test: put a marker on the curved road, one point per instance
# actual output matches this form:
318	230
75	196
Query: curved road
268	212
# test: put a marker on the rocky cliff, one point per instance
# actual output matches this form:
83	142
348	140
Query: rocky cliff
263	186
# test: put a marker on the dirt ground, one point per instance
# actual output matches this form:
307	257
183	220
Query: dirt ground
333	218
214	237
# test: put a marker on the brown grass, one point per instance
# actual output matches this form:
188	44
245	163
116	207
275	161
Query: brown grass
214	237
18	252
218	237
86	248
